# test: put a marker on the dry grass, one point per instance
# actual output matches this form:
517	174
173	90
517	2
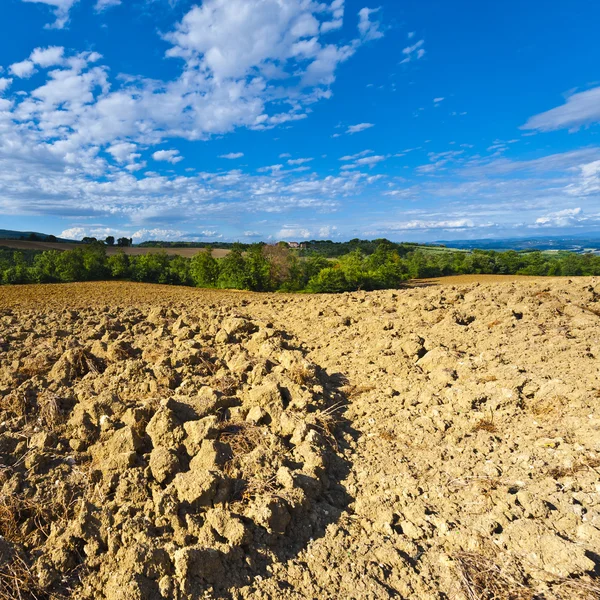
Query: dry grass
489	576
84	363
14	403
242	437
547	406
483	578
558	472
227	385
353	391
589	309
585	588
486	425
387	435
17	582
300	375
36	365
49	409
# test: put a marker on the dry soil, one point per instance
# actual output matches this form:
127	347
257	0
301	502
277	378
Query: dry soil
434	442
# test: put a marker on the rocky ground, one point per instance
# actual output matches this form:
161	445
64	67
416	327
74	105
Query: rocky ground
439	441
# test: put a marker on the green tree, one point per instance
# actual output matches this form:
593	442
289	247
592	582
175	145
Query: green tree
232	272
94	262
118	265
179	271
257	269
110	240
329	280
204	269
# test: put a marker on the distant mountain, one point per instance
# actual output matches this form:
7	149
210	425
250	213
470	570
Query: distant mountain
7	234
572	243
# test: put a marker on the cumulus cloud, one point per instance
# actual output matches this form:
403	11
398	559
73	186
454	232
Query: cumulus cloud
124	152
23	69
163	235
5	83
74	233
47	57
61	11
236	39
327	231
562	218
170	156
358	128
292	233
232	155
579	110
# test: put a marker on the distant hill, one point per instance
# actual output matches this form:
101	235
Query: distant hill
579	244
8	234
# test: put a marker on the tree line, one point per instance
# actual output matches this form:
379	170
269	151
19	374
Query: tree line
261	267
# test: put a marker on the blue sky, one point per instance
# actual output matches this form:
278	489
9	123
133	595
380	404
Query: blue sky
299	119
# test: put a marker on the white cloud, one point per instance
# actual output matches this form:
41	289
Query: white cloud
163	235
104	4
285	155
74	233
5	83
337	14
232	39
357	155
589	181
123	152
327	231
369	161
358	128
579	110
23	69
438	100
299	161
422	225
292	233
61	11
47	57
232	155
414	52
562	218
369	30
72	146
171	156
